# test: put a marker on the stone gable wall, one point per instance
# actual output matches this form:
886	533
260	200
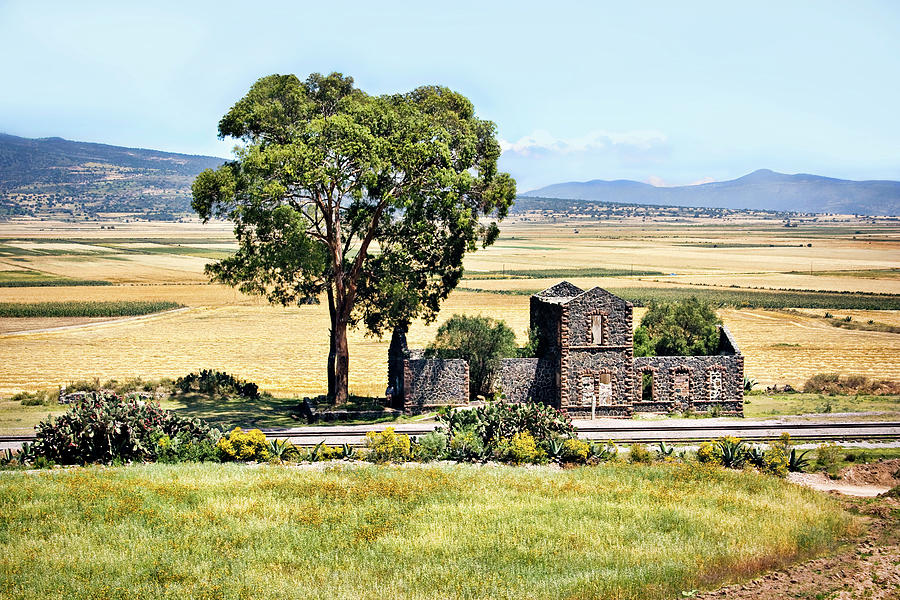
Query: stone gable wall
616	315
528	380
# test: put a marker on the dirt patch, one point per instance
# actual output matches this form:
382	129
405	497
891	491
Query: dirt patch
823	483
884	473
867	569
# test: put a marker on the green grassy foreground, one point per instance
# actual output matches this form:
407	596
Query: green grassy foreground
236	531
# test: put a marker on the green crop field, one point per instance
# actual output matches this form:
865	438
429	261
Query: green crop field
236	531
83	309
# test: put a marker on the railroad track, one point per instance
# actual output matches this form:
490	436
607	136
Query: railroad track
618	431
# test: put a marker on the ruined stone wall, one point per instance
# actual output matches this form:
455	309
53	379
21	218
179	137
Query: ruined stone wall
528	380
430	383
691	383
598	377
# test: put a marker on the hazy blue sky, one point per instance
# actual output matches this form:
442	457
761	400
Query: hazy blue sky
665	92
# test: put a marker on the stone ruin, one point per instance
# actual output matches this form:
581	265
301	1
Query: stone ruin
585	365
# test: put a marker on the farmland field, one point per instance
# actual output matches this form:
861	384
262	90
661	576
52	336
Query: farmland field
284	349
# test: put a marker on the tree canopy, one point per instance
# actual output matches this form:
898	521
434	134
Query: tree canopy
373	200
683	328
481	341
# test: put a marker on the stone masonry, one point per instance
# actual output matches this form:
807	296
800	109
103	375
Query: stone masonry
585	365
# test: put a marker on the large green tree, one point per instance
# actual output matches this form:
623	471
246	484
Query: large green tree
683	328
373	200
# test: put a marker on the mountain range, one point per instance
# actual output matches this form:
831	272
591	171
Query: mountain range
59	178
63	178
760	190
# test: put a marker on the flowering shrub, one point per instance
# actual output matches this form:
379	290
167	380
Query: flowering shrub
574	451
105	427
244	445
710	453
183	448
520	449
775	462
387	446
497	421
639	454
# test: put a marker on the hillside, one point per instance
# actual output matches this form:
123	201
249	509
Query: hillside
760	190
54	177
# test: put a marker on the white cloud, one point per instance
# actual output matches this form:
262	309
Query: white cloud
543	141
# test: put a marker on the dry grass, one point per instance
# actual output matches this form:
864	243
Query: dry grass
284	349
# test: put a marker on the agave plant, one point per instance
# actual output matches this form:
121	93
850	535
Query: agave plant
607	451
347	451
756	456
665	451
734	454
797	462
316	453
749	384
554	448
280	449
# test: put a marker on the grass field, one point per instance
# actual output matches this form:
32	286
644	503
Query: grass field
233	531
764	405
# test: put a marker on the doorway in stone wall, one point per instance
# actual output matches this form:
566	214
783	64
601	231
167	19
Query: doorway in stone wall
681	389
596	390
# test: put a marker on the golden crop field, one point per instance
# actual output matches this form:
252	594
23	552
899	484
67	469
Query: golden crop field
284	349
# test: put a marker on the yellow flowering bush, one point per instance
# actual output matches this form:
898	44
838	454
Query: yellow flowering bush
387	446
710	453
775	461
574	451
521	449
244	445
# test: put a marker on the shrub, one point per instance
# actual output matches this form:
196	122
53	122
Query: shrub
828	457
684	327
797	462
184	449
388	446
833	384
215	383
39	398
431	446
103	428
639	454
497	421
521	449
710	453
244	445
574	451
775	462
481	341
466	445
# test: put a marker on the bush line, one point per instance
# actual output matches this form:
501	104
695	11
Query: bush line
121	308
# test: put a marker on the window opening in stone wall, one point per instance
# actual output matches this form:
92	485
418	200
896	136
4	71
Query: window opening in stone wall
647	386
604	390
597	330
715	385
587	390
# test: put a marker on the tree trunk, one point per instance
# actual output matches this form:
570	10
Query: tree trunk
341	362
332	379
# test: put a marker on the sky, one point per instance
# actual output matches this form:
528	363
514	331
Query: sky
669	93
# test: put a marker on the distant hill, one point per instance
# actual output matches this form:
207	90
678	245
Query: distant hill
760	190
62	178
